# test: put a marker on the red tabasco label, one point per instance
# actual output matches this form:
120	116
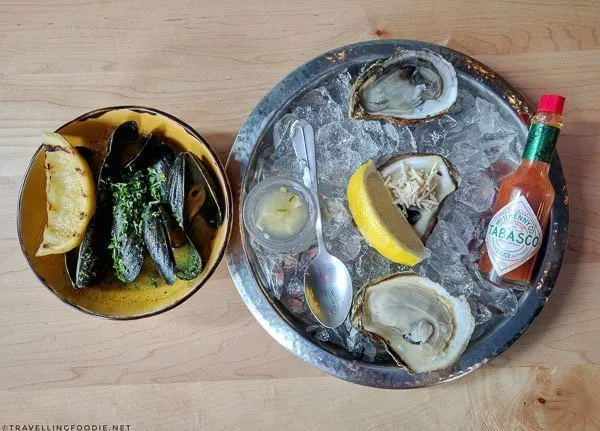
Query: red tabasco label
514	236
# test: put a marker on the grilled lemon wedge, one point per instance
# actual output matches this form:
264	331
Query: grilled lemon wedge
380	221
70	194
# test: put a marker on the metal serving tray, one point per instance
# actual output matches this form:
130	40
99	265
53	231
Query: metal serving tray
288	330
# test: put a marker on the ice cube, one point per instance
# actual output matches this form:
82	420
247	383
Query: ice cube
352	340
459	282
369	265
366	146
272	272
500	300
460	216
503	167
332	136
429	135
400	141
383	140
479	231
497	145
323	334
480	312
478	191
465	152
339	88
445	239
370	351
305	260
296	305
489	119
464	101
447	122
328	164
336	217
283	134
318	108
347	247
287	166
294	286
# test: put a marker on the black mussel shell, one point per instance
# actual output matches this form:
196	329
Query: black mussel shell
188	182
157	157
87	263
173	252
124	136
84	264
127	242
157	243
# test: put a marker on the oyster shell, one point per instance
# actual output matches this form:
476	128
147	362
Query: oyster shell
420	324
407	88
434	179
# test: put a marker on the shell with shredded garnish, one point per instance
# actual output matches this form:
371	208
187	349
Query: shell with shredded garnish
419	183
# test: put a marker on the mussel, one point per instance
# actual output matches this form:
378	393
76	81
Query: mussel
192	191
86	264
127	243
151	199
173	253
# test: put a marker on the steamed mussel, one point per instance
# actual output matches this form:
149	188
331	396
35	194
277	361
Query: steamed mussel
172	251
192	191
87	264
150	199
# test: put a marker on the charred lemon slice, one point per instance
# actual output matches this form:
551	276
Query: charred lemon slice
380	221
70	194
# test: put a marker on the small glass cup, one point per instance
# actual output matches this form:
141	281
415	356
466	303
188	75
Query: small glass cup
295	244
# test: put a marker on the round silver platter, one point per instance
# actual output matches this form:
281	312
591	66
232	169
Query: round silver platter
289	331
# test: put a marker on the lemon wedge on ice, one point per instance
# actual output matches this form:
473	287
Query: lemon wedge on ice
380	221
70	194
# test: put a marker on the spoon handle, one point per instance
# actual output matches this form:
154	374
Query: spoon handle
307	133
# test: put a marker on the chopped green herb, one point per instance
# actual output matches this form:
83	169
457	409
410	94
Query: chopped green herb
129	198
156	180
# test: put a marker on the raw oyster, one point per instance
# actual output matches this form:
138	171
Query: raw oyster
407	88
420	324
419	184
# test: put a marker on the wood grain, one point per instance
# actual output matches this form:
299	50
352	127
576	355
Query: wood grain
207	364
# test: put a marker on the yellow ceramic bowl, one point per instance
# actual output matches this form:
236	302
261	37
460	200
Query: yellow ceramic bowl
115	300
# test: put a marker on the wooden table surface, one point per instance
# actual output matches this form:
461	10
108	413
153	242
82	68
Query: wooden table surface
208	364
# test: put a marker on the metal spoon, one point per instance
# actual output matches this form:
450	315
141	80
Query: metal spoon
327	282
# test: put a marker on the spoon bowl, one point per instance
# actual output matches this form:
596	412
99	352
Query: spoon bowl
328	288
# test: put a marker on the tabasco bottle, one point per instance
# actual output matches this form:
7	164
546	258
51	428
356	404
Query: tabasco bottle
524	201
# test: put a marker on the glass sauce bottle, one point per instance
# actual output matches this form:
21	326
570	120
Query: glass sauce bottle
524	201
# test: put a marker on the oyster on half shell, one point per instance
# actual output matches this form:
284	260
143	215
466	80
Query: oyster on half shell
420	324
420	183
407	88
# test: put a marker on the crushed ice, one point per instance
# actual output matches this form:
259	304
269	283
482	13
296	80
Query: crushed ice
473	135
